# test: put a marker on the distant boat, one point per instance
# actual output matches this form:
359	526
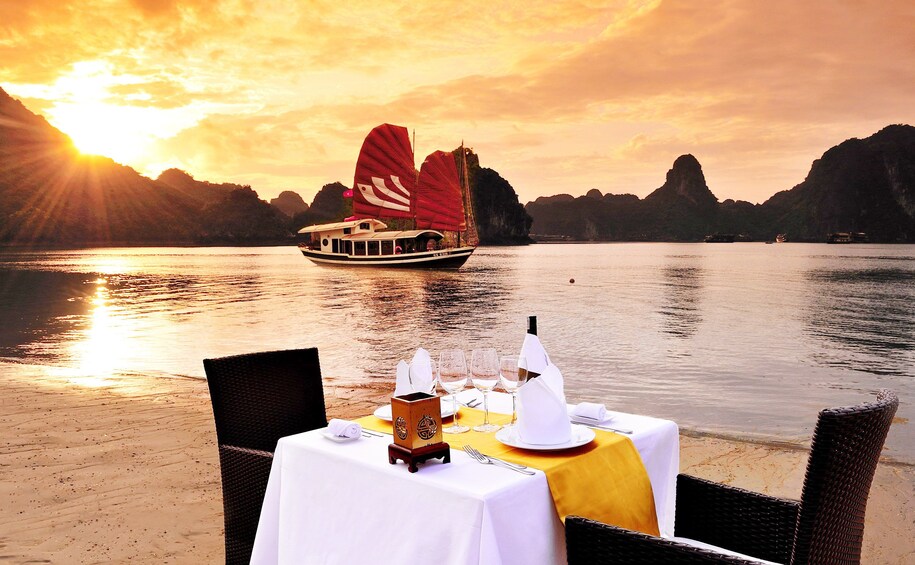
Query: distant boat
720	238
847	237
386	185
781	238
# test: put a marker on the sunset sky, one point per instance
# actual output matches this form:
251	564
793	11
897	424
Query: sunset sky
558	97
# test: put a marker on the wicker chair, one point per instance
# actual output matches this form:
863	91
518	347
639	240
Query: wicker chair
257	399
826	526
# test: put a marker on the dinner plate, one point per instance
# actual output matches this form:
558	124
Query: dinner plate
384	412
581	435
332	437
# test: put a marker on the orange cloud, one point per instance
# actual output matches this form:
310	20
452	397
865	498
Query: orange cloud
556	96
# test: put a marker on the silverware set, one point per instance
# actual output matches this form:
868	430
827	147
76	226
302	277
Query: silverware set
370	433
487	460
470	404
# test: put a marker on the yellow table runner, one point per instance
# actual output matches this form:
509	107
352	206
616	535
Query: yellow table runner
604	480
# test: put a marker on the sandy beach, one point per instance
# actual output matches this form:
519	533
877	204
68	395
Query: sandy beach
110	470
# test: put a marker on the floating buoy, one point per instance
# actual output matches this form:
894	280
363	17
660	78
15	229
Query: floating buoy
571	281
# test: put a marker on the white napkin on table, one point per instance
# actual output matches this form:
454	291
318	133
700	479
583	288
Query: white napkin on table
590	411
543	417
415	376
402	385
534	355
422	378
344	428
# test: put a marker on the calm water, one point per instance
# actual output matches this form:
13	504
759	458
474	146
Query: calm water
746	338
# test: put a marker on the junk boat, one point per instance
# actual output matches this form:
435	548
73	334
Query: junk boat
386	186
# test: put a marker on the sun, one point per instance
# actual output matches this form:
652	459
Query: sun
97	128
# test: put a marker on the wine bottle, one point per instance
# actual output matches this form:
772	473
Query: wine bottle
531	329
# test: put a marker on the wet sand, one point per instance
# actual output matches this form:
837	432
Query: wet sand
104	470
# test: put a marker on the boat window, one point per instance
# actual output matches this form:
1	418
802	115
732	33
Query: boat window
348	247
324	242
373	248
347	231
387	247
364	226
359	247
335	245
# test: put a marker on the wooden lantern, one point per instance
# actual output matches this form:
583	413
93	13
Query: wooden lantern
417	423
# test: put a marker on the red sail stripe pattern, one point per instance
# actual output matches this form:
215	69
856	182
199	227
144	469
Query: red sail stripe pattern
439	200
385	177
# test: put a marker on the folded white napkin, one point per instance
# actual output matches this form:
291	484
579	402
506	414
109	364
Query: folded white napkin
543	417
402	385
533	354
416	376
590	411
344	428
422	377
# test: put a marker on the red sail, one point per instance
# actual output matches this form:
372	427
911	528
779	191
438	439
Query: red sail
385	177
439	200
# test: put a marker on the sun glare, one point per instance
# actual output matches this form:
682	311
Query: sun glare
103	129
101	122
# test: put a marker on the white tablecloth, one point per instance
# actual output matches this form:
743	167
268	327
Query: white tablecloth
329	502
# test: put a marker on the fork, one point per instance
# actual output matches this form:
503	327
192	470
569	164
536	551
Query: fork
487	460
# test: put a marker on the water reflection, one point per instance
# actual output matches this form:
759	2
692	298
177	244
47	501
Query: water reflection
388	313
682	294
742	337
102	350
866	315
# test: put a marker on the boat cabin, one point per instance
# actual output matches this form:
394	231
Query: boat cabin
357	238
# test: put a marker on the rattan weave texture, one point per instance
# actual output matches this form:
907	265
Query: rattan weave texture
257	399
825	527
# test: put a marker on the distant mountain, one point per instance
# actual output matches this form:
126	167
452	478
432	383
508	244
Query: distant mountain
242	217
328	206
52	195
500	217
682	209
201	191
860	185
289	203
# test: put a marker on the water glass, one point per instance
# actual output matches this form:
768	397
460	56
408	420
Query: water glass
512	375
484	372
452	377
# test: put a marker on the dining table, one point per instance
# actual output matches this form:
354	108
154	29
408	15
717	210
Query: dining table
330	500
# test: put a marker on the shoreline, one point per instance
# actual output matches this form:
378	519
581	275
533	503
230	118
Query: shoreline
126	467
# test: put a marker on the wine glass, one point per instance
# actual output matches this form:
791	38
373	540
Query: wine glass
484	372
512	375
452	376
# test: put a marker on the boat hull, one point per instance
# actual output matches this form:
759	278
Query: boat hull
439	259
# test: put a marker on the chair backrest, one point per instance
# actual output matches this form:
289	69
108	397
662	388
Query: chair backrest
260	397
257	399
843	458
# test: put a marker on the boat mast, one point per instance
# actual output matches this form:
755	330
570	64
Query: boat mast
472	237
416	180
462	190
